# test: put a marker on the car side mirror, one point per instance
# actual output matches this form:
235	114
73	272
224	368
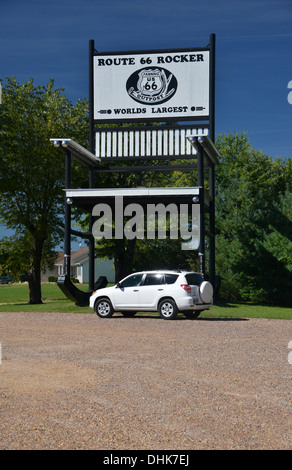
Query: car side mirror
118	285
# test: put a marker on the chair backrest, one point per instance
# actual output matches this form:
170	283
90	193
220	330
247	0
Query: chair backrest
146	143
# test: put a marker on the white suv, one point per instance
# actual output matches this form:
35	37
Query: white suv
167	292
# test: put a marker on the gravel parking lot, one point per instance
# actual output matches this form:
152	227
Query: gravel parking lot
72	381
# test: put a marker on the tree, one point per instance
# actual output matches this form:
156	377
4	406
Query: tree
32	171
253	223
253	204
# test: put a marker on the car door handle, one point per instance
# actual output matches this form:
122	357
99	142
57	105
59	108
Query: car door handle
160	289
136	290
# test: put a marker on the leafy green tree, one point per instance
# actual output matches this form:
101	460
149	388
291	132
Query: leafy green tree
32	172
253	223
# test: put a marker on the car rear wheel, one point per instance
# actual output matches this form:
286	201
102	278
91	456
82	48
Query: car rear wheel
168	309
103	308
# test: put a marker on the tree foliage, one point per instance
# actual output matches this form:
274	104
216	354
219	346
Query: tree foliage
32	171
253	226
253	223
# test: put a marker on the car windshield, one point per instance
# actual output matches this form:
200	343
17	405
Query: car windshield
194	279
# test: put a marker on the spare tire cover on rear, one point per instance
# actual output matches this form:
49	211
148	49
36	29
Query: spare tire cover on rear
206	292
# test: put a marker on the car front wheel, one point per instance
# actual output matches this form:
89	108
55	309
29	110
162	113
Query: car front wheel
168	309
103	308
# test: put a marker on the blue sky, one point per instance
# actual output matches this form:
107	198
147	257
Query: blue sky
49	39
44	39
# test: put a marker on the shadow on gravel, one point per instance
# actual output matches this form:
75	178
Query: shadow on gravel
220	319
217	319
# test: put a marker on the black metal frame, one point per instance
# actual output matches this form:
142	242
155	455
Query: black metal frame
201	157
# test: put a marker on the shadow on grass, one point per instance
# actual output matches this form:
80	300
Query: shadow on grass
226	304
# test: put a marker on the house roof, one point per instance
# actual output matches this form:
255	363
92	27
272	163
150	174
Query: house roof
77	257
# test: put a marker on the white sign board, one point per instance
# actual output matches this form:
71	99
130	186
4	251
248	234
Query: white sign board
159	85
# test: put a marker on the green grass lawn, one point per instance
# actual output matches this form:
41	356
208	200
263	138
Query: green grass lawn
14	298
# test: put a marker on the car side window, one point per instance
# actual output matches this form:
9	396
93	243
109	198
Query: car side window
132	281
153	279
170	278
194	279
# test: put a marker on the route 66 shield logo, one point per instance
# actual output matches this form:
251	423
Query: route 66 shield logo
151	85
150	82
